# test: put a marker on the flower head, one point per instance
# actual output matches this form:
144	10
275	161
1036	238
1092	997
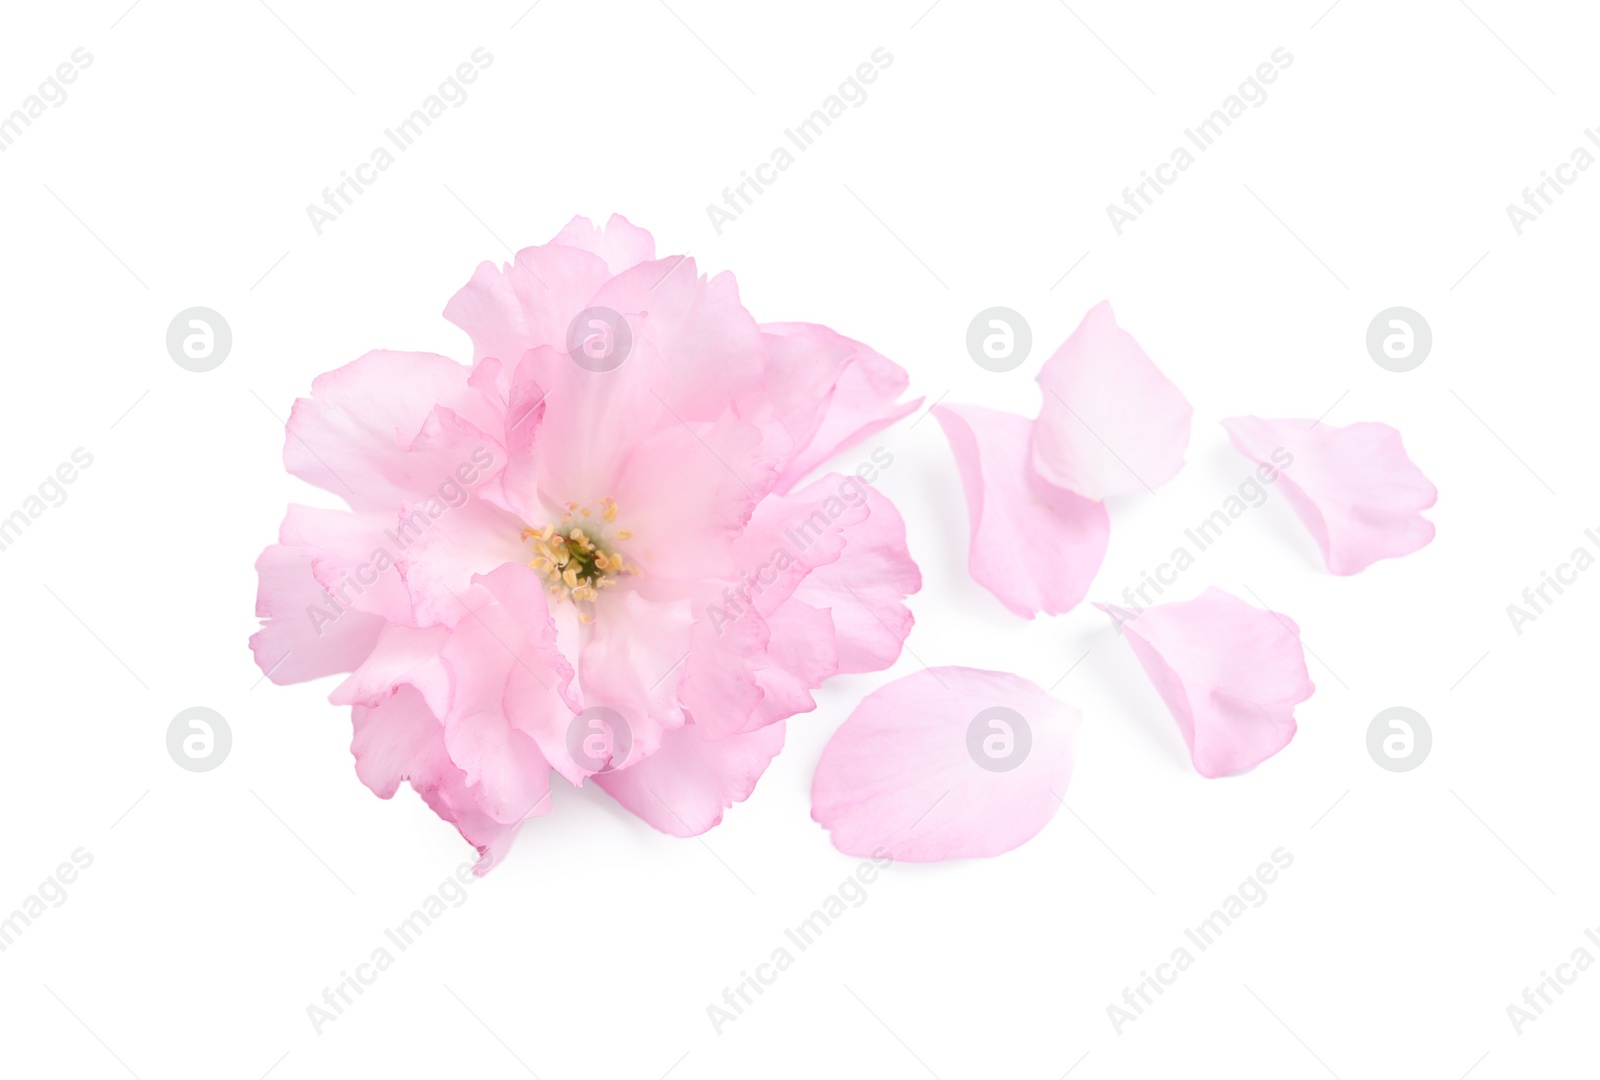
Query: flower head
590	552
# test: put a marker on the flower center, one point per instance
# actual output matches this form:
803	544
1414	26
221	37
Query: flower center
577	557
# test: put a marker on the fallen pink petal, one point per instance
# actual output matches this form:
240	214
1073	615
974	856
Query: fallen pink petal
1111	423
952	762
600	550
1034	545
1354	487
1231	675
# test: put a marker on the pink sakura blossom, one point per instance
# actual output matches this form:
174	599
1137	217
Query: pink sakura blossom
1353	487
1230	674
591	552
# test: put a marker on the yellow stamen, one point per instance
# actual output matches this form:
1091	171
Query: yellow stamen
576	556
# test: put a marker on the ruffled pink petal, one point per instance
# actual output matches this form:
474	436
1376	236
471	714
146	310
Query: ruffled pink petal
507	654
397	739
515	488
401	739
519	593
505	765
590	424
684	787
1354	487
440	546
402	657
1035	546
632	662
1111	423
508	701
1230	674
492	380
721	687
686	495
919	770
822	578
829	393
455	802
622	244
704	341
306	633
789	537
356	436
802	653
352	559
527	303
866	587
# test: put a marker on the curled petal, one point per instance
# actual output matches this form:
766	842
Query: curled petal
305	632
823	574
1111	422
688	494
352	558
401	739
1034	545
790	537
440	546
526	303
802	654
1230	674
505	661
865	589
632	662
510	697
683	788
1353	487
581	425
951	762
705	342
398	739
622	244
720	685
403	657
829	393
357	434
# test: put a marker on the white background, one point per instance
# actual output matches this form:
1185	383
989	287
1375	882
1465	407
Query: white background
977	173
